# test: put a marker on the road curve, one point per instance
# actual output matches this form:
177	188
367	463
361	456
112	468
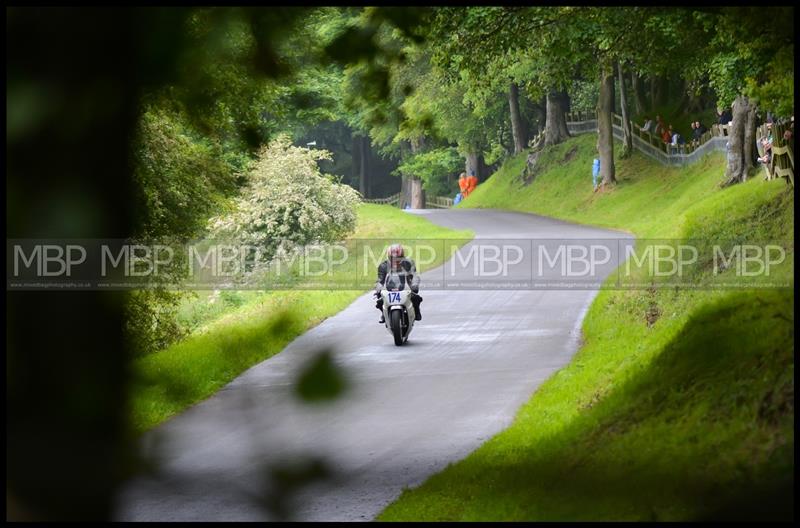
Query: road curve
467	368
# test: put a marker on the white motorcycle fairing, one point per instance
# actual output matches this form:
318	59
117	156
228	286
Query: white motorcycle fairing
398	313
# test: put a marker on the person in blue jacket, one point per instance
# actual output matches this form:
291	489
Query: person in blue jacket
595	172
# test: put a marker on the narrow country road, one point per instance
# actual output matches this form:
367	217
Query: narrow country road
467	368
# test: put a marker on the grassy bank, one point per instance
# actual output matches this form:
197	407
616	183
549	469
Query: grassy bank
680	403
238	329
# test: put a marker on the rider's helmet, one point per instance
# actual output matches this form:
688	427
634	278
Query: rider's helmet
396	254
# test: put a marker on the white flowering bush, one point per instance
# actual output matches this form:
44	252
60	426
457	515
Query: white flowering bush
288	202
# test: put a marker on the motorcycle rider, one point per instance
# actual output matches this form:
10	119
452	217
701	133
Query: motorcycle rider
396	262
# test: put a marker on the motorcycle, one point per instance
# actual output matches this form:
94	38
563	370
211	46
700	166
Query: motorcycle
398	310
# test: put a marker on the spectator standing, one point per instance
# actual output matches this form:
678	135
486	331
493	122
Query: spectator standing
701	127
472	182
697	133
648	125
666	135
766	142
660	127
462	184
677	141
725	116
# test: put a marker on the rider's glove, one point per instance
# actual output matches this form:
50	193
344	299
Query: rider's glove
415	289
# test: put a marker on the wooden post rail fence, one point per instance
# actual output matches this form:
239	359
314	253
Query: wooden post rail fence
436	202
394	199
781	164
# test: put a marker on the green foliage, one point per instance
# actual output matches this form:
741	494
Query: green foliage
180	177
433	168
151	321
372	48
584	95
727	73
743	57
288	202
776	93
321	380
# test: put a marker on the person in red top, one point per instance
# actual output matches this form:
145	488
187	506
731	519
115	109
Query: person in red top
666	135
472	182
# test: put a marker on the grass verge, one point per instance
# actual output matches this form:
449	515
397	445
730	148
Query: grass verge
680	403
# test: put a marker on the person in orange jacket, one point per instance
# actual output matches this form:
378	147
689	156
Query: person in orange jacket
462	184
472	182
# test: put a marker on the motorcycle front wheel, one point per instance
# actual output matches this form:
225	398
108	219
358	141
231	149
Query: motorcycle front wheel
396	322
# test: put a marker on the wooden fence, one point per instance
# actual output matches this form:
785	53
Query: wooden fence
438	202
655	141
715	138
394	199
435	202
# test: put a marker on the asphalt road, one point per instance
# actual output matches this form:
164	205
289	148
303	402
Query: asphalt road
476	357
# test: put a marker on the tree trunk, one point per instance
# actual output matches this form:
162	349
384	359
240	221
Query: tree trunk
472	166
750	139
627	133
416	195
363	166
736	170
638	95
556	122
541	115
566	106
605	132
517	126
405	192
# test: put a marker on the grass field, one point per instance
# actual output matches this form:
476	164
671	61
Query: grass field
680	403
242	328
